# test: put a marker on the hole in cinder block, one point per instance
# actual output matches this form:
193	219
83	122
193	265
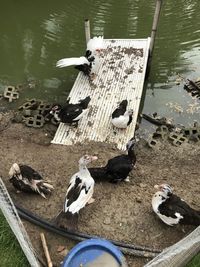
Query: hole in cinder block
187	132
178	143
153	142
38	123
174	136
30	122
194	131
26	105
8	94
182	139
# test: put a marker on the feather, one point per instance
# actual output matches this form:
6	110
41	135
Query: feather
96	43
65	62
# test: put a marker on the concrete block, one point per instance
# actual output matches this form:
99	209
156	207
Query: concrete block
44	108
36	121
30	104
10	93
152	142
177	139
161	132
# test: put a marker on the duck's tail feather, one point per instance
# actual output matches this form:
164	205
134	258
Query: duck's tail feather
44	188
65	62
99	174
123	104
84	102
66	220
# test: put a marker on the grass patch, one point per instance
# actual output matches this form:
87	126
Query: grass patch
195	262
11	254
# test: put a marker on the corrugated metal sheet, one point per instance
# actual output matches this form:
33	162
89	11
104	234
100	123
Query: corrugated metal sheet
120	76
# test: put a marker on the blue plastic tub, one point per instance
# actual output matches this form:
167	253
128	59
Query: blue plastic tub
94	253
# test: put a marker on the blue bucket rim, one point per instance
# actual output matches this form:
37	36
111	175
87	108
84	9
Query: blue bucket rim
103	243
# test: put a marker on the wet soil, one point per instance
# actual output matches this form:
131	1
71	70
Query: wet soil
121	211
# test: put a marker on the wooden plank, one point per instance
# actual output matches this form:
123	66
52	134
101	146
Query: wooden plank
120	76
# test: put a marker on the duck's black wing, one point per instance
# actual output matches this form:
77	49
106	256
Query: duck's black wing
119	167
21	185
29	173
120	110
174	206
70	112
100	174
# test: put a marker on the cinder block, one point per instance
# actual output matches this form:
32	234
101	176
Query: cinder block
30	112
161	132
36	121
44	108
10	93
152	142
30	104
177	139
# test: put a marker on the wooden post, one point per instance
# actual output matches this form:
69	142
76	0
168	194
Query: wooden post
87	30
155	24
153	34
46	251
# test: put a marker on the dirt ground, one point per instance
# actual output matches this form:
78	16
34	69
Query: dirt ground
121	211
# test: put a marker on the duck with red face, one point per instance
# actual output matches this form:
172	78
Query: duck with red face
70	113
79	193
171	209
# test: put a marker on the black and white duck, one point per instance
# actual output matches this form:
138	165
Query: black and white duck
79	193
88	63
171	209
118	168
70	113
26	179
121	117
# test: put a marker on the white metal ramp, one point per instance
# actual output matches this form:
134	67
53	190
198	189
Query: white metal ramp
120	76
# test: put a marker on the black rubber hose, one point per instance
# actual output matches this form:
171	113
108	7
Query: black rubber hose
125	248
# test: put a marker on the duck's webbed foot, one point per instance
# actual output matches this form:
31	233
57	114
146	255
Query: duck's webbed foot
92	76
92	200
74	124
127	180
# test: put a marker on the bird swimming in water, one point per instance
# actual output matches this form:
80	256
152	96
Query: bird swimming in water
70	113
79	193
87	64
121	117
118	168
171	209
26	179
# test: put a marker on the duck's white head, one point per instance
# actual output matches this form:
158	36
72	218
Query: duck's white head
160	196
132	142
129	112
55	109
167	189
15	172
87	159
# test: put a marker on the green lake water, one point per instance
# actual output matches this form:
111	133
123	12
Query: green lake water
35	34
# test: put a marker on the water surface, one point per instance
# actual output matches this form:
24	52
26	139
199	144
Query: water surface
35	34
